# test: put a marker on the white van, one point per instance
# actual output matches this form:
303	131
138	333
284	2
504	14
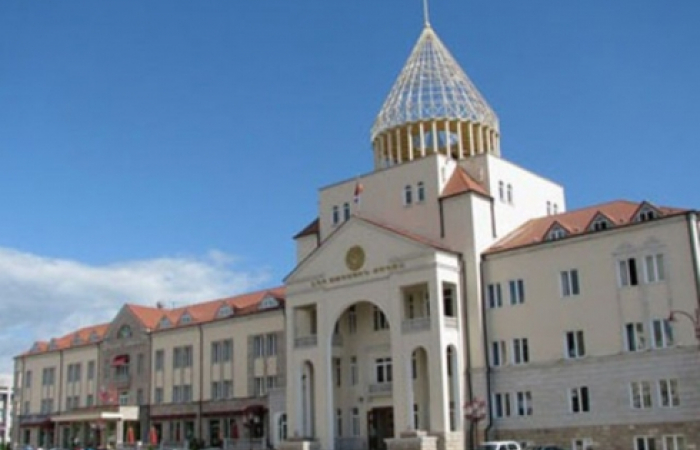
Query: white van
499	445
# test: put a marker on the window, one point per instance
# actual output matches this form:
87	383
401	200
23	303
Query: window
224	311
644	443
509	193
186	318
355	422
28	379
420	191
90	400
186	392
521	354
498	353
182	357
662	333
259	387
668	393
338	367
158	395
578	400
336	215
339	422
159	360
271	344
407	195
383	370
569	283
228	388
501	405
640	394
674	442
635	340
557	232
647	213
380	322
517	292
501	191
346	211
353	371
494	294
259	346
215	390
627	272
282	428
555	208
416	417
352	320
654	268
600	224
124	398
549	208
448	301
124	332
524	403
575	346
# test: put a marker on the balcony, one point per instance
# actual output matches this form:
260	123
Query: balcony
380	390
306	341
415	325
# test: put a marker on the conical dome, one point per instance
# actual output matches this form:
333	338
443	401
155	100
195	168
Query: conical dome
433	107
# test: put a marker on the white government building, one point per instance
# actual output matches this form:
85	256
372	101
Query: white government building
444	298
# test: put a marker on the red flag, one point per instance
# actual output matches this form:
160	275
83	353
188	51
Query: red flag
358	191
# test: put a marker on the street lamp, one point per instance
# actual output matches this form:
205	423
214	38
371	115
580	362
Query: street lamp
694	319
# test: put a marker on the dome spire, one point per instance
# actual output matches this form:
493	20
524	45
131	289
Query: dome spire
433	107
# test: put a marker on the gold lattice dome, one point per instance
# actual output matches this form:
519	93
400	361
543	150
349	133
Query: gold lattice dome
432	86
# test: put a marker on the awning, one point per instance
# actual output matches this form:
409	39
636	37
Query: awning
120	360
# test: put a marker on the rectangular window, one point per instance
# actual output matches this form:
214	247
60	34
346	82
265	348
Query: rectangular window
644	443
91	370
416	417
90	400
336	215
259	346
662	333
494	293
627	272
353	371
501	405
569	283
448	301
338	371
28	379
159	360
654	268
383	370
635	339
524	403
355	422
177	394
228	389
339	422
575	346
521	352
352	320
215	390
158	395
517	292
346	211
380	322
578	400
498	353
668	393
187	393
674	442
640	394
271	344
216	352
227	350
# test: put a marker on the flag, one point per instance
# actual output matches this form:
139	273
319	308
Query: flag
358	191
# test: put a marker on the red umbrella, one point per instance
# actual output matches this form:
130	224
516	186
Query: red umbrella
153	436
130	438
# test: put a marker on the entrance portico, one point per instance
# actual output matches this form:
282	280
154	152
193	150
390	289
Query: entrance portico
102	424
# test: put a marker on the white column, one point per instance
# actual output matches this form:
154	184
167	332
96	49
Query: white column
472	148
480	137
399	150
435	137
323	395
448	146
460	138
409	138
422	139
390	144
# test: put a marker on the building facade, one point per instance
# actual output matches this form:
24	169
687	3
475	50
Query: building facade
444	298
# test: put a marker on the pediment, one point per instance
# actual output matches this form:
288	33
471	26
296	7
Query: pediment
125	319
359	246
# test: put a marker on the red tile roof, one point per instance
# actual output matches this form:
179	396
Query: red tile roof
460	183
577	222
150	317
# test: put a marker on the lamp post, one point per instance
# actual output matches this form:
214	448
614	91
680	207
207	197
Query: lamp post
694	319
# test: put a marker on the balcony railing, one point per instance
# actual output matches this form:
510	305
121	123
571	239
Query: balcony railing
380	389
415	325
306	341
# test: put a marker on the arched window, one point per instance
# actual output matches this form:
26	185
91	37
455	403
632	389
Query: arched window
421	191
124	332
407	195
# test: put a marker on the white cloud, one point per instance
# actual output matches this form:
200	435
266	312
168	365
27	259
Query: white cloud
43	297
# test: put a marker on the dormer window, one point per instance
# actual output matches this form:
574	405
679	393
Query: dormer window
124	332
646	213
600	223
164	323
185	319
52	344
420	191
557	232
224	311
94	337
407	195
36	347
76	339
268	303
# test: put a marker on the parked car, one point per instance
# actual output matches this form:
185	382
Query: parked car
499	445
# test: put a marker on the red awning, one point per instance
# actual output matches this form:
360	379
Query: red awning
120	360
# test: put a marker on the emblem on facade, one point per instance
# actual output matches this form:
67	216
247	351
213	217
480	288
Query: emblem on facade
355	258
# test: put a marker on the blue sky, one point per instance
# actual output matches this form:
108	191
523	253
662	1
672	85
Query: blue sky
137	131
